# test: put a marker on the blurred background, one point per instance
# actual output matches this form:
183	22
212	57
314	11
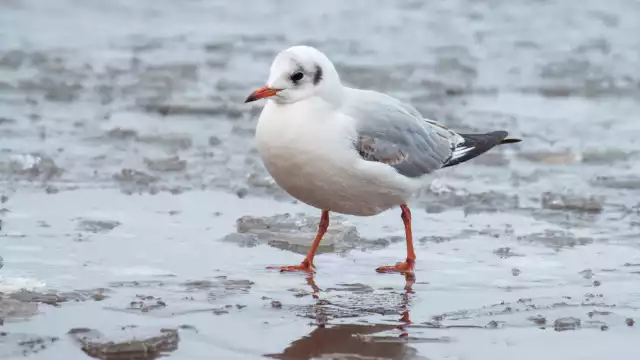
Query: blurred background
105	103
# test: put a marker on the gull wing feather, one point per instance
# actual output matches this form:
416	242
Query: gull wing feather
395	133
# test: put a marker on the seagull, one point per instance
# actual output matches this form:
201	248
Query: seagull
350	151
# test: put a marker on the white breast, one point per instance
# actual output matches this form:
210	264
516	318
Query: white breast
307	148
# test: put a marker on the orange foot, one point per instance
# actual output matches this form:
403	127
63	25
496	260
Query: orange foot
405	267
304	266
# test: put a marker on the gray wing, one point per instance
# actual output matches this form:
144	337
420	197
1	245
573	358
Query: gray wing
394	133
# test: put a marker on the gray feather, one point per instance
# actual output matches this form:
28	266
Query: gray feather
394	133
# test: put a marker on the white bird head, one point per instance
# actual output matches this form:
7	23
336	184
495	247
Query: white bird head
298	73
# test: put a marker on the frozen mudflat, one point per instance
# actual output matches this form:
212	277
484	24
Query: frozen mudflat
166	276
136	219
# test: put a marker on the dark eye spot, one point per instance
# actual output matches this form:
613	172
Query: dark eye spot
317	77
296	76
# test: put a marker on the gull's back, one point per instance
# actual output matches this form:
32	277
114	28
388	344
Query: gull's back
395	133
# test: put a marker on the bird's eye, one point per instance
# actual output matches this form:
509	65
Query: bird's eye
297	76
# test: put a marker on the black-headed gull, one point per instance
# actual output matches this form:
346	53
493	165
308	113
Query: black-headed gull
347	150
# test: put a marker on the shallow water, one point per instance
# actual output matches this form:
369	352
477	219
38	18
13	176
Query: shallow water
128	175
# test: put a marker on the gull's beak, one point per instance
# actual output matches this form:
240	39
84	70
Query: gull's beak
263	92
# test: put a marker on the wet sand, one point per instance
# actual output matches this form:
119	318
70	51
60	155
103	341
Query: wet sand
136	219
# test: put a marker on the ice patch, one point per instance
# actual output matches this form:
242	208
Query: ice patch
13	284
141	270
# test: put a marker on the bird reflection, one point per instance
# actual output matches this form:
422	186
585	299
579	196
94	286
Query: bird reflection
344	341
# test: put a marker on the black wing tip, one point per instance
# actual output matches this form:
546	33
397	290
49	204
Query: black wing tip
481	143
501	134
510	141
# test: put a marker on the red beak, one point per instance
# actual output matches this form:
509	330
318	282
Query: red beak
263	92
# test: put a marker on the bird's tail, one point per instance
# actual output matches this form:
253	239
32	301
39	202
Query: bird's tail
477	144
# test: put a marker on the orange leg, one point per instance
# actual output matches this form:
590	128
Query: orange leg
407	266
307	263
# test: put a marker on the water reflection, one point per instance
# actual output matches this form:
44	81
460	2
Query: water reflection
356	341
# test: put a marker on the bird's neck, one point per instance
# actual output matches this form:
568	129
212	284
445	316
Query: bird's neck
333	94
